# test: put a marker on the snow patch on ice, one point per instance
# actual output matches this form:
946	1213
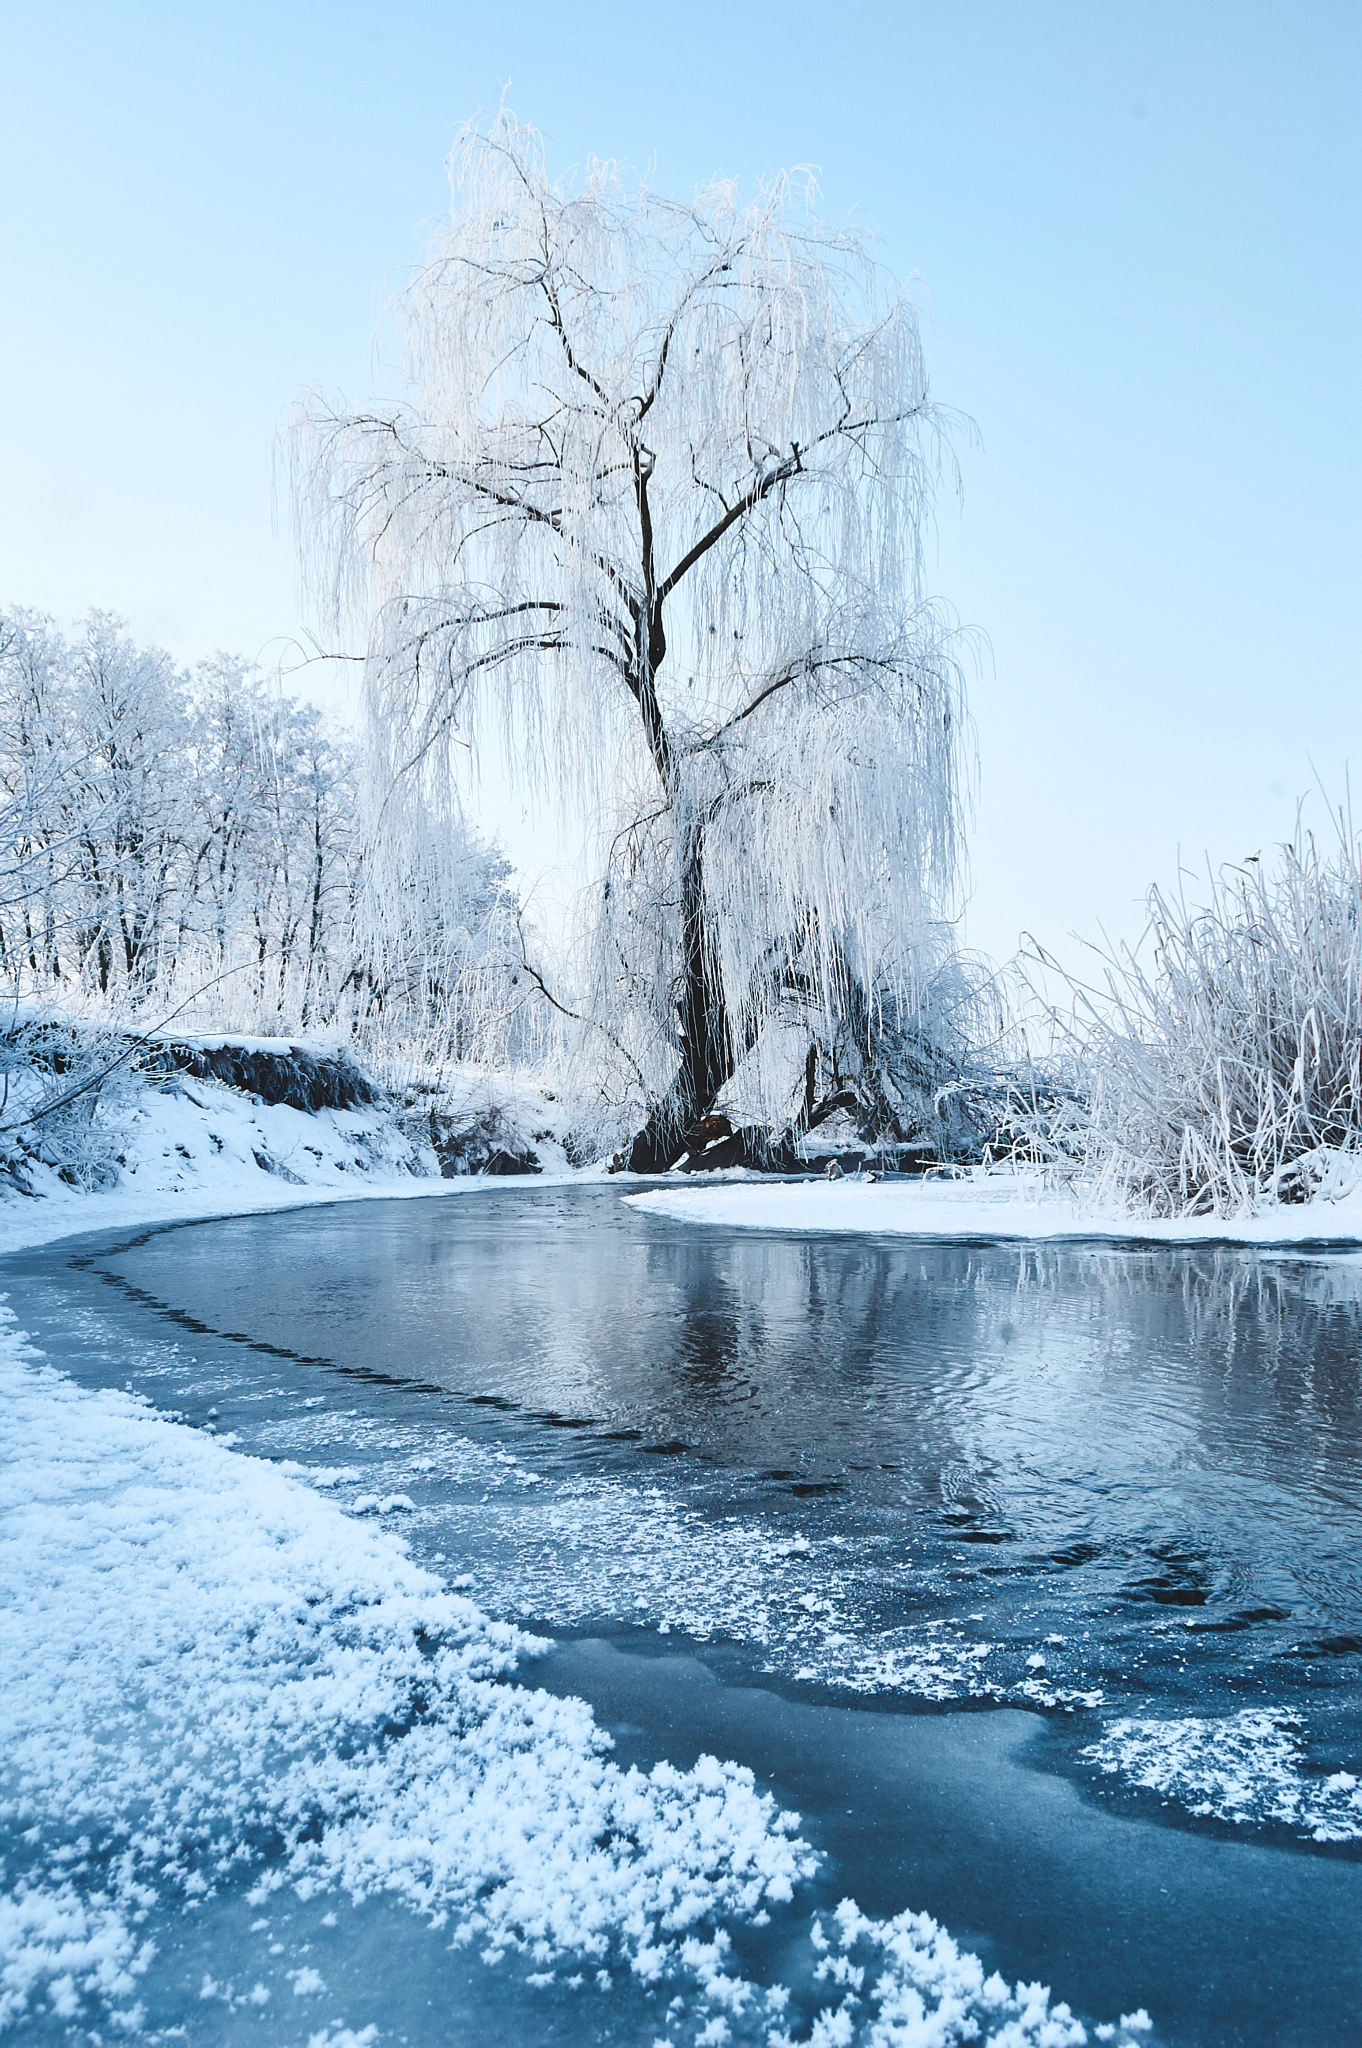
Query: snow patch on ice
921	1990
1246	1767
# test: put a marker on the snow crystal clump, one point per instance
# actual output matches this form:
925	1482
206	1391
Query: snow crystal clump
1244	1767
922	1991
214	1675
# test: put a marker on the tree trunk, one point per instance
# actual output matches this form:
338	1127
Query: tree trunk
706	1043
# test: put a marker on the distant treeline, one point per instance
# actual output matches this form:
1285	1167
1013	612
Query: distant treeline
173	838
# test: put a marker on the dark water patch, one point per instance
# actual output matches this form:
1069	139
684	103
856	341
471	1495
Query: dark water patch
1247	1617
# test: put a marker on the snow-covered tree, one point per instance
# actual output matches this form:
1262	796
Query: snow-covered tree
655	504
38	845
197	843
128	714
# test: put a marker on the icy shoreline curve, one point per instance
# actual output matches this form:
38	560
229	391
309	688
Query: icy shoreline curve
194	1147
997	1205
218	1683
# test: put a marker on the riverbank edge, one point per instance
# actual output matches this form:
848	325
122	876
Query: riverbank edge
997	1206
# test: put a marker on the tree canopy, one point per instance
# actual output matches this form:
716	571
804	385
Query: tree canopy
654	498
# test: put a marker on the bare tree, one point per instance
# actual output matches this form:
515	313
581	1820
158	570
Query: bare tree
656	501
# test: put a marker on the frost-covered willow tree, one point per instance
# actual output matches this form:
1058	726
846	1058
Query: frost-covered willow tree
655	500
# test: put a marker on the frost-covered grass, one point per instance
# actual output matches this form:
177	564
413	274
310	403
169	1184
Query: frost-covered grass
1226	1053
216	1683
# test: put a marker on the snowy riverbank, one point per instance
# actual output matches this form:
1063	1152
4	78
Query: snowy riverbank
999	1204
186	1145
223	1691
190	1126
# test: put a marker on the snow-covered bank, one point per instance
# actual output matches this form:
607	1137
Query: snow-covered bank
216	1682
999	1204
184	1145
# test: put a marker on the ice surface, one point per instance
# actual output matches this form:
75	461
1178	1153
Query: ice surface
219	1683
587	1550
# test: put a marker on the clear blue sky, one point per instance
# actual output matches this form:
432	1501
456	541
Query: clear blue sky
1137	230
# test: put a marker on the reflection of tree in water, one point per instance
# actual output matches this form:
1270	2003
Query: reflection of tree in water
993	1369
1247	1337
824	1351
1154	1450
1288	1332
1156	1446
1046	1389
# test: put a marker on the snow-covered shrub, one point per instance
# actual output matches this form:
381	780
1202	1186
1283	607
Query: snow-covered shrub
62	1087
918	1060
1041	1115
1228	1069
915	1070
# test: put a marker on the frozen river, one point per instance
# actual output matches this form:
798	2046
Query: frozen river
1030	1576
